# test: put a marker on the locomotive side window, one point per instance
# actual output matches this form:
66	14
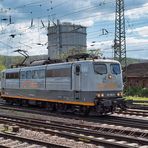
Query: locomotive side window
77	70
23	75
7	75
115	69
63	72
41	74
13	75
28	74
16	75
38	74
34	74
100	68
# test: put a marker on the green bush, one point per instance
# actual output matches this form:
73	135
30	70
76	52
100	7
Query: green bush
136	91
144	92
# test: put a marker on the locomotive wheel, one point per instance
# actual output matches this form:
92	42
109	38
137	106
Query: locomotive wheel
9	102
85	111
61	107
25	102
52	107
19	102
99	109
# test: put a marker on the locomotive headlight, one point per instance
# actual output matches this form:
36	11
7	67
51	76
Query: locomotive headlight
98	95
119	94
102	95
110	76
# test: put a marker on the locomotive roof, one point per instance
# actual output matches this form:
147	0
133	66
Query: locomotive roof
96	60
64	63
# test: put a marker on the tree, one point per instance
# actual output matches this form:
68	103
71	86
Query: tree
95	52
2	67
71	52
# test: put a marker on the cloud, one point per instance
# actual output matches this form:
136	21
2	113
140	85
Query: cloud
91	20
6	12
138	12
86	22
136	48
142	31
81	3
132	41
104	45
24	38
99	15
91	15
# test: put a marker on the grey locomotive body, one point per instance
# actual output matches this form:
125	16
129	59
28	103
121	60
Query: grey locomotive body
80	85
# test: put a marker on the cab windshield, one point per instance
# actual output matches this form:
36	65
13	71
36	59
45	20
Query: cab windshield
115	68
100	68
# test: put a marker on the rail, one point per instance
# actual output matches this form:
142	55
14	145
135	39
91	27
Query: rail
75	132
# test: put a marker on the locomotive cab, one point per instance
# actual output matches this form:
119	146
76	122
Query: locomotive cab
99	82
109	85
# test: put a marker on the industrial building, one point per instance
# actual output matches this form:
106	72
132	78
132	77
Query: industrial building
63	37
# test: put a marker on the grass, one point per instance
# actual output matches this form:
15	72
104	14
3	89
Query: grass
136	98
139	93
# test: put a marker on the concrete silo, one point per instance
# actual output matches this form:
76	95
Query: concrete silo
63	37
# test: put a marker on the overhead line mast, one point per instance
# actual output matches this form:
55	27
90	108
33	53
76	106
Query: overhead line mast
120	41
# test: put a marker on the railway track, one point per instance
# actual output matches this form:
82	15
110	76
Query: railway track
9	140
139	106
84	133
137	112
128	122
123	121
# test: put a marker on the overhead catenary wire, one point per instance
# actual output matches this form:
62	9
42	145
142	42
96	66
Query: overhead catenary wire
95	33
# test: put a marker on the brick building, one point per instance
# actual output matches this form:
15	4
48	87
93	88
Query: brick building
137	75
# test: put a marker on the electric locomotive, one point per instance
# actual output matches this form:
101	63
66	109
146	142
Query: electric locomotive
82	86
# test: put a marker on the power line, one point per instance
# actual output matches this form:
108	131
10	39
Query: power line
59	5
29	4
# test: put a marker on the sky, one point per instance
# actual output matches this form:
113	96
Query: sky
23	24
